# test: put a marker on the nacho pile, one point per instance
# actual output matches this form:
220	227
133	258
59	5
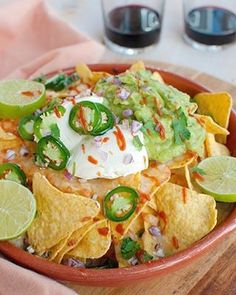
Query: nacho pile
112	162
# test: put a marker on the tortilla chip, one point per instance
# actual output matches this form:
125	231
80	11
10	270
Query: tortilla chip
157	76
188	178
214	148
216	105
185	216
150	242
151	179
53	252
102	186
58	214
182	161
181	177
210	125
178	176
84	72
136	229
98	75
137	66
72	241
95	243
8	140
152	203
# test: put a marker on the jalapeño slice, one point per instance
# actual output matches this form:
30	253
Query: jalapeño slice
120	203
107	120
85	117
13	172
52	152
45	125
26	127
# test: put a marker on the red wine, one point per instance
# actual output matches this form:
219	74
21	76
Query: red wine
211	25
133	26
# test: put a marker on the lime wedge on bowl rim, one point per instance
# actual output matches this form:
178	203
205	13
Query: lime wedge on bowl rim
17	209
219	179
20	97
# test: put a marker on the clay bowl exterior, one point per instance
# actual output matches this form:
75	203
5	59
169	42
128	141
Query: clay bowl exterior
124	276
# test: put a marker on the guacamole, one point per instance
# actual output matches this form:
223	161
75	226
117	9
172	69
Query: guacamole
166	113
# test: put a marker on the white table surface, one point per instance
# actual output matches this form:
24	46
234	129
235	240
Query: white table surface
86	16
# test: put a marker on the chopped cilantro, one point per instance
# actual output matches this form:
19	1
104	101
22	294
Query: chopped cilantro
149	125
147	257
137	143
181	132
198	170
129	248
58	82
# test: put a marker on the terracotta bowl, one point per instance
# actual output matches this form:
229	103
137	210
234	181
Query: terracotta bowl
123	276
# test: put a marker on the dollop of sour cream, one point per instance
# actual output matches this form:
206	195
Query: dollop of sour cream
104	157
109	156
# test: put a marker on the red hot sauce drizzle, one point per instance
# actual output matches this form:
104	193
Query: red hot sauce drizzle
72	100
120	139
144	197
143	101
163	217
200	121
153	178
175	242
105	139
160	129
184	195
198	176
120	229
81	117
57	113
71	242
158	106
153	164
92	160
103	231
86	218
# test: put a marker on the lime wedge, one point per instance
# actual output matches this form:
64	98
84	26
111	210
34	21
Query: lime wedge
20	97
220	178
17	209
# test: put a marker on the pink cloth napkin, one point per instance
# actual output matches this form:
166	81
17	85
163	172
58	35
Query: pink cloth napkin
34	41
15	280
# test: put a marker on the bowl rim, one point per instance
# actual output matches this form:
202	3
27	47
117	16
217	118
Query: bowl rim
121	276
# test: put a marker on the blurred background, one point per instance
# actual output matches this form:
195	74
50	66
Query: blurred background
86	16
